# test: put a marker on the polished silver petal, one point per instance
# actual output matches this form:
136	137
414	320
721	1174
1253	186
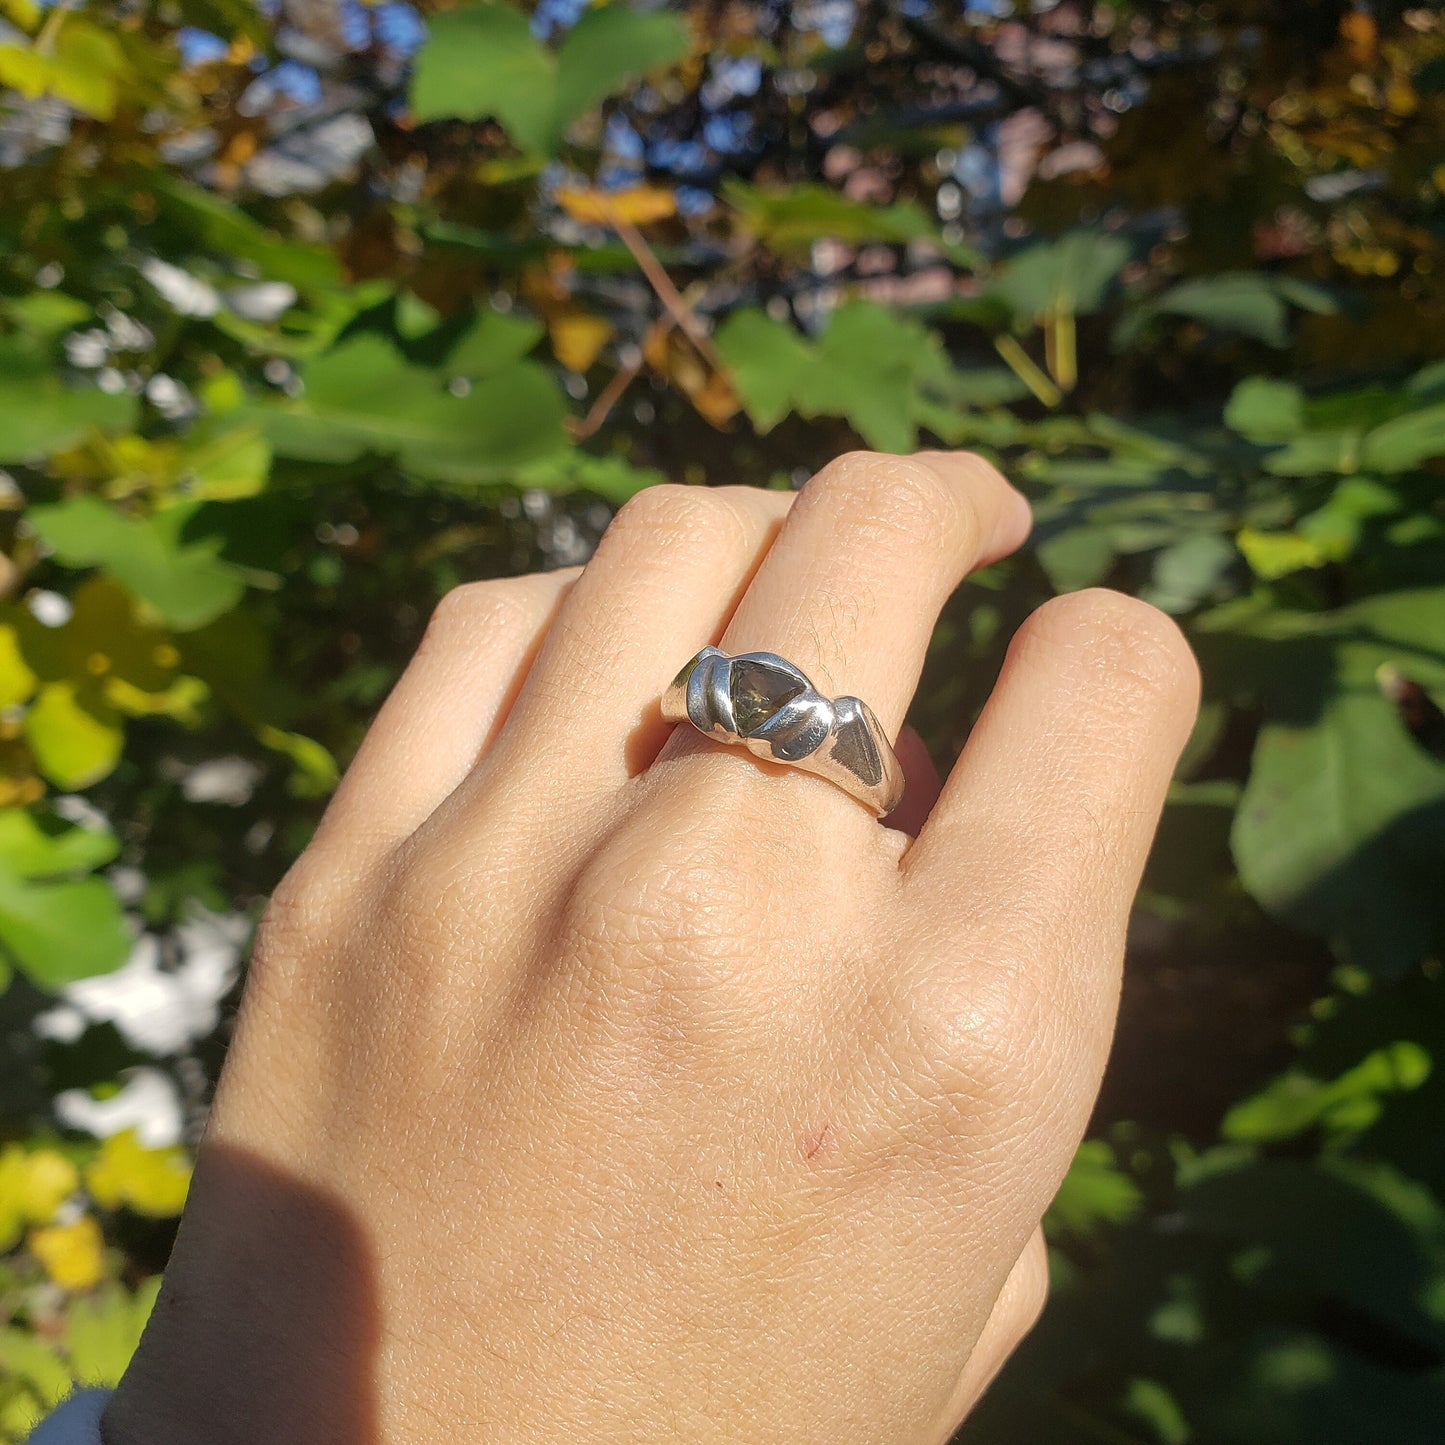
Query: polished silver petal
764	703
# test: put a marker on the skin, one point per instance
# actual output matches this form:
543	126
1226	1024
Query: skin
595	1081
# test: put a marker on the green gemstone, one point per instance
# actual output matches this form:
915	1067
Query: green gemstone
757	692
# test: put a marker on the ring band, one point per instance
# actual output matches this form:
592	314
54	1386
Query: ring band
760	701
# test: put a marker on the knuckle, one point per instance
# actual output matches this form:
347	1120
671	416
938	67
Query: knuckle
672	516
490	606
298	922
296	904
973	1044
902	497
413	909
1122	642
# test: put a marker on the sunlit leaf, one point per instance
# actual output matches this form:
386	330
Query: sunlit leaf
41	412
186	582
610	45
31	849
1095	1192
636	204
34	1183
73	1254
74	734
125	1173
363	397
59	932
482	60
314	772
578	338
103	1330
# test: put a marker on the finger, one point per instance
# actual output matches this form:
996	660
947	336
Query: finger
661	586
444	711
923	784
1038	840
851	589
1015	1313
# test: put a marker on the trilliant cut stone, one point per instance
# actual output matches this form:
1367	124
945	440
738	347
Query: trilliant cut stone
758	690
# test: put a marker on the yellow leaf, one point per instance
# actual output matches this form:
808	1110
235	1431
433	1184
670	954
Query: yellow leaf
32	1187
50	1180
149	1181
23	70
73	1254
182	700
576	339
313	770
709	391
74	735
17	681
87	65
637	204
1277	554
24	14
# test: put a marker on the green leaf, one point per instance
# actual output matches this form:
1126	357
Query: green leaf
45	314
1071	275
1402	444
215	226
227	465
608	47
17	677
482	60
1095	1192
41	412
1263	410
789	220
767	360
493	343
313	773
103	1330
1357	1233
29	1357
1188	571
1272	555
59	932
886	373
1296	1101
75	735
1317	454
364	397
186	582
612	476
1245	303
1341	829
870	365
31	850
1077	557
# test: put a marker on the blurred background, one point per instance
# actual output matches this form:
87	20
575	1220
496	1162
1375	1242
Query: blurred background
314	309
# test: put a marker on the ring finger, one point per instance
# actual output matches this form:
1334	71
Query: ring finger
850	590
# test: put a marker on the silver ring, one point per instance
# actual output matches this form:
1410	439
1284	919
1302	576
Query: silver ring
760	701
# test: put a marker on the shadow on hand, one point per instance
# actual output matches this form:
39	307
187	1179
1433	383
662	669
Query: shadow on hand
268	1324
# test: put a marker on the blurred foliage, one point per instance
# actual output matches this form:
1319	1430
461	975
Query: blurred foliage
310	311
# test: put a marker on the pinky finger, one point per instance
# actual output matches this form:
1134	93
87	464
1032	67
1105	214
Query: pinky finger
1015	1313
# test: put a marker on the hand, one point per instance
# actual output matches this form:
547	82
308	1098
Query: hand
601	1084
